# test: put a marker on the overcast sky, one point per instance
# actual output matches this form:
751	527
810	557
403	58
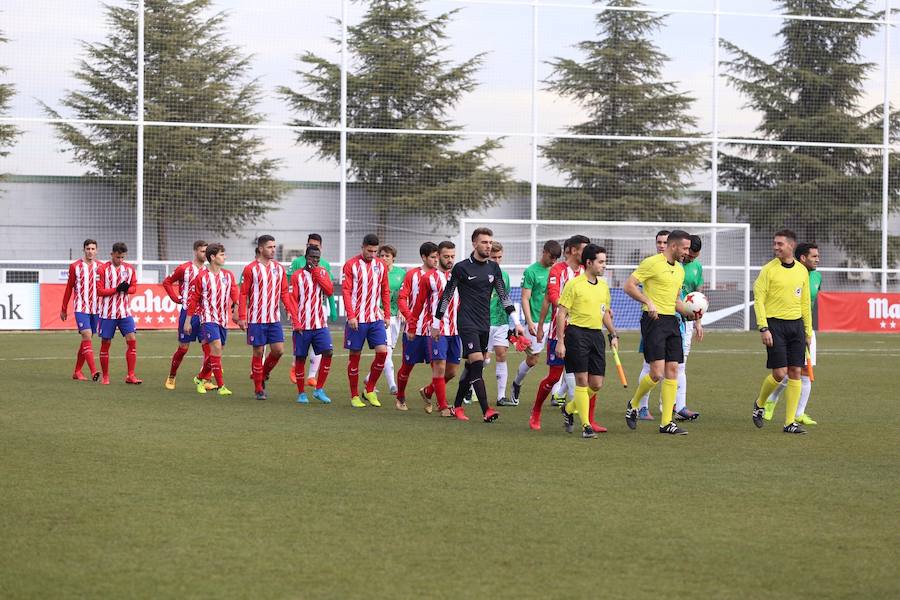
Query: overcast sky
45	36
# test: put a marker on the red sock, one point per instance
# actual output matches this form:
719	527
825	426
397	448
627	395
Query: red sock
324	370
545	386
375	370
79	357
430	389
353	374
300	372
104	355
439	385
402	380
256	373
271	360
87	351
591	409
216	362
205	367
176	360
131	356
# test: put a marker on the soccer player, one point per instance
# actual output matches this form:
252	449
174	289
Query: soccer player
693	281
116	281
475	278
443	347
314	239
387	254
582	310
499	336
264	287
311	286
177	286
212	297
808	255
644	413
560	273
83	282
661	276
415	350
534	288
367	301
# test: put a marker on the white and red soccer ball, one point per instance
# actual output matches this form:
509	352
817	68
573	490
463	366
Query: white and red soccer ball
696	303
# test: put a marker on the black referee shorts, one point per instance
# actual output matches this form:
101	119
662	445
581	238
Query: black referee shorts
788	344
473	341
662	338
585	351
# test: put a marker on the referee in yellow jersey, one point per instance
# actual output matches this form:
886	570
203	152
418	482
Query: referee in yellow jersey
784	318
584	304
661	276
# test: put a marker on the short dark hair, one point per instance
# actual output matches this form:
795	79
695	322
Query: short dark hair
370	239
88	242
803	249
199	244
213	249
389	249
314	236
661	232
120	247
553	248
576	240
677	235
696	243
481	231
786	233
590	252
312	249
263	240
427	249
446	244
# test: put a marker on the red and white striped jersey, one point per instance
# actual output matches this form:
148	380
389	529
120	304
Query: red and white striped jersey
560	273
311	290
409	291
263	287
430	290
182	276
211	296
113	304
366	290
83	283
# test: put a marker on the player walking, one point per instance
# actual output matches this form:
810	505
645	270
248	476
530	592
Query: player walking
116	281
83	274
644	413
693	281
387	254
499	337
178	286
311	286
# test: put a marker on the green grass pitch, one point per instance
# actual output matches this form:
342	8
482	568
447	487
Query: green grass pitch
126	491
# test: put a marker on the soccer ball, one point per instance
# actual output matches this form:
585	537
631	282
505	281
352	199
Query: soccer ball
697	303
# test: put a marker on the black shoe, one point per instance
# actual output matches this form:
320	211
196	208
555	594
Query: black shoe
631	415
672	429
686	414
758	415
794	428
588	432
568	420
504	401
516	389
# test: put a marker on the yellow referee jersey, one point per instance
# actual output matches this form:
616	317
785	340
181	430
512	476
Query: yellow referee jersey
782	292
662	282
586	302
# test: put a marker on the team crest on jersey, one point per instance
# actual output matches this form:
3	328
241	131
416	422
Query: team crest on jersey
491	278
470	345
602	308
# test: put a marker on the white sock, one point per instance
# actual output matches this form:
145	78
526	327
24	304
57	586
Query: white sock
569	379
645	370
314	360
389	369
502	374
805	389
561	387
681	393
775	396
522	372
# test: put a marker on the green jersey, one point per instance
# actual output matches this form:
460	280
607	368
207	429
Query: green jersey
498	313
815	282
300	263
693	277
535	279
395	282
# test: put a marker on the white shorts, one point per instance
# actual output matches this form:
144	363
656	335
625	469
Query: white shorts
812	349
393	332
536	346
687	336
498	336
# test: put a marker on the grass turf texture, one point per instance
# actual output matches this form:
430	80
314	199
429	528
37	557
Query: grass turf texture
142	492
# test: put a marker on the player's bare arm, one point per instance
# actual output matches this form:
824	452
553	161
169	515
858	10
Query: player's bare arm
632	289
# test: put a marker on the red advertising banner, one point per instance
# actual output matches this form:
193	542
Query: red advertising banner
859	311
151	307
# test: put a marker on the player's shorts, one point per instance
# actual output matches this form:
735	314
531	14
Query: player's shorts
393	332
536	347
319	339
260	334
415	351
474	341
812	349
374	333
210	332
108	327
662	338
447	347
85	321
552	359
499	336
788	344
585	351
184	338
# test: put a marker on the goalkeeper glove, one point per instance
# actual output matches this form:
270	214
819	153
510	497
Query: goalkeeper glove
123	287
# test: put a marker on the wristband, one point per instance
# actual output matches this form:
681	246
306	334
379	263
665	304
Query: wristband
763	329
612	336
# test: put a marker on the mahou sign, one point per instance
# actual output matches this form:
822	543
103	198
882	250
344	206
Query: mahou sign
150	306
859	311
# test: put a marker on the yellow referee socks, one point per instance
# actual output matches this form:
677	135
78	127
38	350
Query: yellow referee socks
582	404
768	386
791	400
669	387
644	386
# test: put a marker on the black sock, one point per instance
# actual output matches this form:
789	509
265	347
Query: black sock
463	387
477	382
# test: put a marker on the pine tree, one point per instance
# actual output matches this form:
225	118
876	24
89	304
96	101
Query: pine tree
398	80
619	84
8	132
811	92
216	178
